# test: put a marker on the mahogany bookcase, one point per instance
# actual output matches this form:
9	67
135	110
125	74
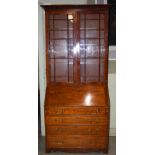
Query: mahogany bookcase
77	98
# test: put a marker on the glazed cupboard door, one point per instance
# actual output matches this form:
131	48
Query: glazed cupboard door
77	46
60	43
91	47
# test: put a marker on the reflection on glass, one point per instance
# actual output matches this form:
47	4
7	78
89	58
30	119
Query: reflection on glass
76	48
70	17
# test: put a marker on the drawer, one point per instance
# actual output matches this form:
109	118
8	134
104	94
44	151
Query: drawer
76	110
85	120
84	110
76	130
53	111
74	141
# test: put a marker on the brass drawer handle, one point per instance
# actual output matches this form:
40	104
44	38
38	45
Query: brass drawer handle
59	142
58	120
60	111
99	110
57	129
76	137
90	130
93	131
90	142
95	122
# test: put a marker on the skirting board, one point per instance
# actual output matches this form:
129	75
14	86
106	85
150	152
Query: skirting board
112	132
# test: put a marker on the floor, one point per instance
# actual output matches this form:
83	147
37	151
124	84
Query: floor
112	149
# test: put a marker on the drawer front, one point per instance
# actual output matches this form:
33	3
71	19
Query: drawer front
74	141
54	120
76	130
85	111
76	110
53	111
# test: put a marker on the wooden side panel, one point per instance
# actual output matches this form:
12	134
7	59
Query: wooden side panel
106	46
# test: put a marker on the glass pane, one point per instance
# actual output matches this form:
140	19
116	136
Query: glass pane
92	48
101	34
82	16
70	24
102	16
82	42
92	70
82	51
82	34
51	45
61	72
51	24
60	16
82	48
102	52
60	43
82	24
71	34
60	24
60	51
50	17
92	16
101	69
51	35
102	47
91	43
82	62
52	69
92	34
102	24
70	70
102	42
92	24
60	48
60	34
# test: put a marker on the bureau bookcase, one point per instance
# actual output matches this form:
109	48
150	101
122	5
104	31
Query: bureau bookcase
77	99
